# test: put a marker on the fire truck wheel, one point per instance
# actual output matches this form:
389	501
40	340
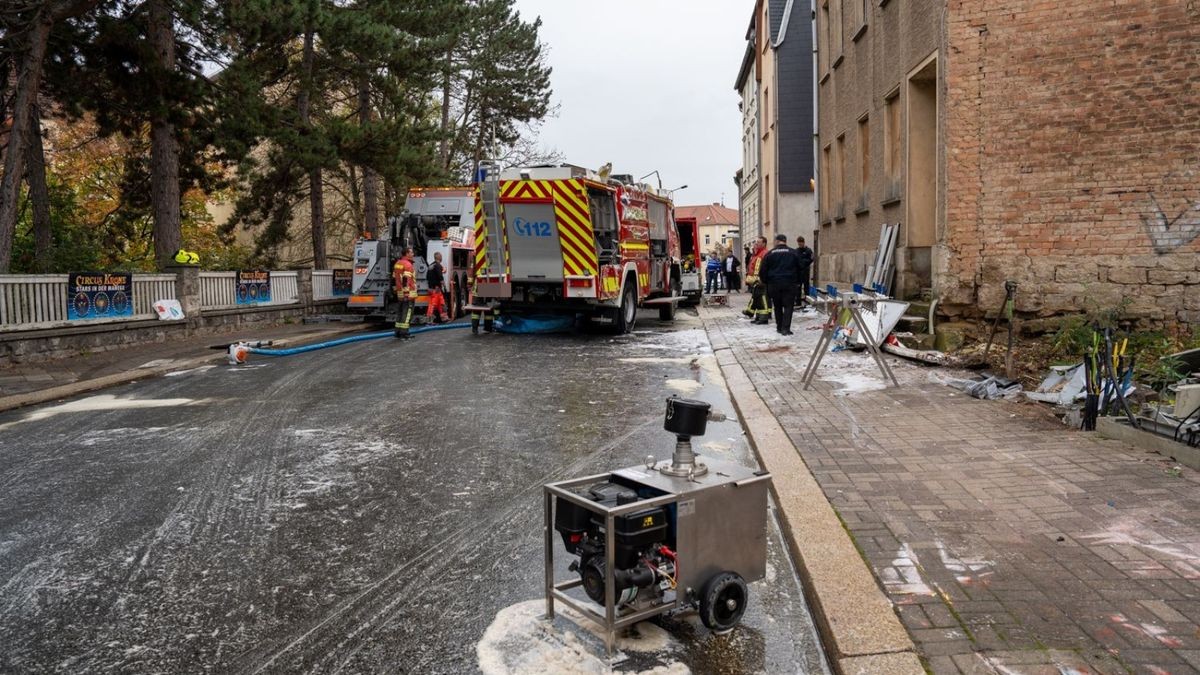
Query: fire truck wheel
667	312
723	602
627	312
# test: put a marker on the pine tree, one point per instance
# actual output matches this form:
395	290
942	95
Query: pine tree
494	81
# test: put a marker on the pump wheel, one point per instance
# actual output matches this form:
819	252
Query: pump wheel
667	312
627	313
723	602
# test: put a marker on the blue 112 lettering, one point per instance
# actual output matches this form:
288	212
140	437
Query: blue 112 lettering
527	228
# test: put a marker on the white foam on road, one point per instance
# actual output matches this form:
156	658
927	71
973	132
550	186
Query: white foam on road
521	640
683	386
103	402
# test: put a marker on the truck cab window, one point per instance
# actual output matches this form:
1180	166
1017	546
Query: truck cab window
604	222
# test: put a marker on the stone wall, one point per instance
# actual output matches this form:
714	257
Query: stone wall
18	346
1073	162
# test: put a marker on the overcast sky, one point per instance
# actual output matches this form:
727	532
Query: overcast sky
648	84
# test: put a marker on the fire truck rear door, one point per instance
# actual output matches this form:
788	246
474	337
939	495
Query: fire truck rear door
535	253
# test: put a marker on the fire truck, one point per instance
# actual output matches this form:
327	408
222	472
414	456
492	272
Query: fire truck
434	220
563	239
689	246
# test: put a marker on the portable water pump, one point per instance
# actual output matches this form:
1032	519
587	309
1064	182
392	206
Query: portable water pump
662	537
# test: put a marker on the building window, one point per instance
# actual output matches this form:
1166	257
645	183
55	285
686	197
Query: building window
766	29
837	29
767	199
826	185
839	208
864	162
823	42
766	112
891	145
862	11
707	239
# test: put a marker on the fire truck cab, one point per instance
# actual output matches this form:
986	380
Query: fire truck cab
563	239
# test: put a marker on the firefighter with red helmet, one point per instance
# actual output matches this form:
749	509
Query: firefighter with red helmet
406	291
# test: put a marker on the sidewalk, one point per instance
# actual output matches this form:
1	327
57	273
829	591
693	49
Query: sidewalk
26	384
1006	542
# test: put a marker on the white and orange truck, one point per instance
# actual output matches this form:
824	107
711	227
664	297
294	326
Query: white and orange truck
434	220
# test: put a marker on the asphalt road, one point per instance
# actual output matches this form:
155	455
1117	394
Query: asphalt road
373	507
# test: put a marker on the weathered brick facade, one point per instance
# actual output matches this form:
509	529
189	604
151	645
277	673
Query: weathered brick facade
1068	154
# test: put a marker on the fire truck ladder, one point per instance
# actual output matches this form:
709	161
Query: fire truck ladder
489	189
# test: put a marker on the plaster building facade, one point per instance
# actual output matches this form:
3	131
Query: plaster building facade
718	226
1053	144
747	178
775	83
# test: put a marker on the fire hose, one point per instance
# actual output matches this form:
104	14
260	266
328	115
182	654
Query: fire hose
343	341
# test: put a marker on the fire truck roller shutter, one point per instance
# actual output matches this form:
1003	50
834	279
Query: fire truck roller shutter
534	249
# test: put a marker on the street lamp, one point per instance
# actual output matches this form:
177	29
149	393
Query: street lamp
673	190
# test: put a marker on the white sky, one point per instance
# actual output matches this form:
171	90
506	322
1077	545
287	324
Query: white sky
648	84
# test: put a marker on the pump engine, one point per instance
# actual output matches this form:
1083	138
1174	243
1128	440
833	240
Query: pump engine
644	559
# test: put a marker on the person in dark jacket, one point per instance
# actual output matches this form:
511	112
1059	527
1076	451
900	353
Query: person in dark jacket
806	260
781	272
435	278
732	267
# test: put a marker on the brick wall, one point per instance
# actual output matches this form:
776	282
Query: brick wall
1073	156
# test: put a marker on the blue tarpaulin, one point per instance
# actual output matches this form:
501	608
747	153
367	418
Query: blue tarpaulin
539	323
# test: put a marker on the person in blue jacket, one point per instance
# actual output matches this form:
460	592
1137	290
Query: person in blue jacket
712	274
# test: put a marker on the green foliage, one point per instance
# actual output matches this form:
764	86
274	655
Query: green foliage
1075	338
254	118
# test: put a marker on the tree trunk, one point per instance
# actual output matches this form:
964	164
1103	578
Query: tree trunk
444	150
29	75
370	180
164	147
316	199
39	194
316	195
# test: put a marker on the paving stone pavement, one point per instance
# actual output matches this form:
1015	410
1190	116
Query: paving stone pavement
1007	542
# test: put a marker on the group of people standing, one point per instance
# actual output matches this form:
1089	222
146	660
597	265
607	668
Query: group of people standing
722	274
778	280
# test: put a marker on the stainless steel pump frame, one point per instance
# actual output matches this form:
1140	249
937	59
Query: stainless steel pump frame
681	492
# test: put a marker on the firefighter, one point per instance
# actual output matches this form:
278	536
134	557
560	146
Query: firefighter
406	292
759	309
780	270
435	276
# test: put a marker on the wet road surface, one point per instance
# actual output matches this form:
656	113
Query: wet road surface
373	507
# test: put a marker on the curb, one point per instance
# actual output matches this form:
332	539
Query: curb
84	386
858	624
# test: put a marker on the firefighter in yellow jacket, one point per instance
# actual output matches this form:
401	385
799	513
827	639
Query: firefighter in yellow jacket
406	292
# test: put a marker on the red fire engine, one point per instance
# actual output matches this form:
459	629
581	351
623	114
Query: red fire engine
563	239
